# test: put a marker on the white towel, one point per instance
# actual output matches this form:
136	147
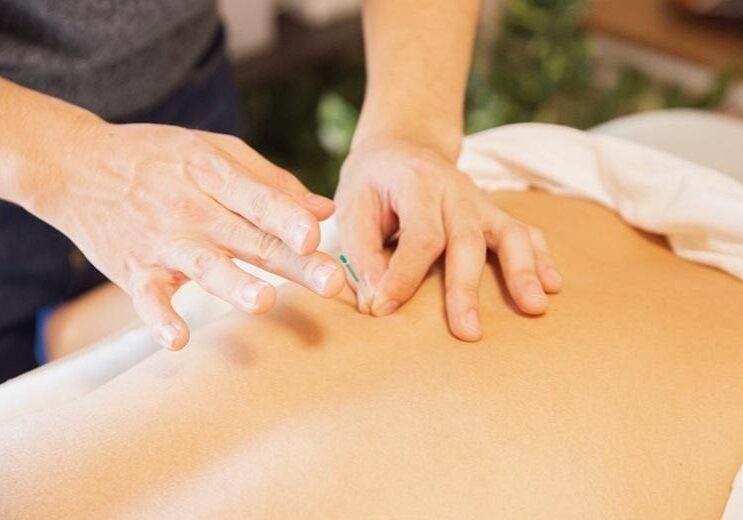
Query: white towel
699	209
734	509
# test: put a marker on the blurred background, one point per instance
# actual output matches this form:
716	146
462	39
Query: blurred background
299	64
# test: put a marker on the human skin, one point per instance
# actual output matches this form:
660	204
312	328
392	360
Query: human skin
153	206
623	401
401	176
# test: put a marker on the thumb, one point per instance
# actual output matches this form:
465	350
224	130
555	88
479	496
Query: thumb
362	243
151	294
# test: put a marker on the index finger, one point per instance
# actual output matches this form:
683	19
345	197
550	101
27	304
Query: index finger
418	247
269	209
360	233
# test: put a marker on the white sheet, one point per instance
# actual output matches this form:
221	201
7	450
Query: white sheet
734	509
699	209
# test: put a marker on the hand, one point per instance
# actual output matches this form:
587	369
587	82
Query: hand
418	193
152	206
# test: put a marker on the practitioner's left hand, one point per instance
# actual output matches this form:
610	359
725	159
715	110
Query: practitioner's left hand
418	192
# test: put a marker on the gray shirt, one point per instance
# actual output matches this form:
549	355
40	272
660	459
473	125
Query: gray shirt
114	57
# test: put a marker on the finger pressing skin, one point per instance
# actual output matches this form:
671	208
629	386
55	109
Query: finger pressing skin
269	209
465	258
516	255
217	274
418	247
321	207
318	271
151	294
546	269
362	243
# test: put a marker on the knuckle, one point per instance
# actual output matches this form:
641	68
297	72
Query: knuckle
231	232
185	209
464	293
462	285
514	228
213	171
260	204
308	265
405	289
223	176
401	291
202	262
293	213
267	247
144	291
139	290
470	239
431	241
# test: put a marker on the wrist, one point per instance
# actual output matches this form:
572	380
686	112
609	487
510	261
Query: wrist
39	136
377	129
444	144
432	117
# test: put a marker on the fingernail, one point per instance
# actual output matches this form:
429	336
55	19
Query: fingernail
316	200
250	294
166	335
385	308
299	236
472	322
321	275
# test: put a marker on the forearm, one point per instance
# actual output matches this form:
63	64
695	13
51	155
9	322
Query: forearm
32	125
417	64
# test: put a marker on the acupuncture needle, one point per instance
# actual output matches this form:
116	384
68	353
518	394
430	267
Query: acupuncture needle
348	267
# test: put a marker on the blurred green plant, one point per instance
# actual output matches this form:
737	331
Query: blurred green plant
540	68
293	121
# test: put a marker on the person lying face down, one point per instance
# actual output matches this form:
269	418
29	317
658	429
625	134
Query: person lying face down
623	401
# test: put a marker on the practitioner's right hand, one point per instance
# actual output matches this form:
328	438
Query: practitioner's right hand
153	206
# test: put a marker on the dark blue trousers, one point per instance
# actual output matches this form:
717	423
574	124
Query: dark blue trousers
40	267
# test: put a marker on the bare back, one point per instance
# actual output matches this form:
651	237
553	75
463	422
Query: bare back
624	401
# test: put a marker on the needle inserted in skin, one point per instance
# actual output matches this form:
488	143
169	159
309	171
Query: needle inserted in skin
350	270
